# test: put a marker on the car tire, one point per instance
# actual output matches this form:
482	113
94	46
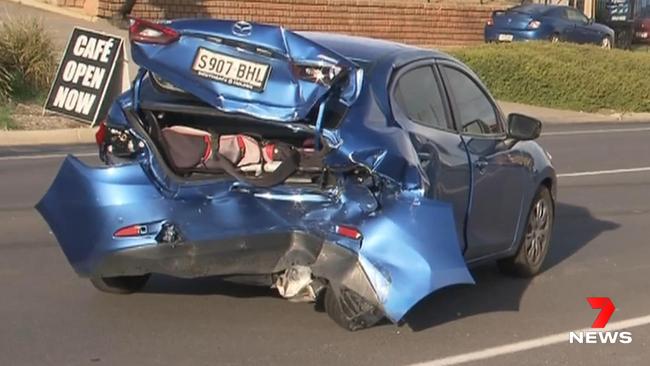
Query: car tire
555	38
354	317
535	242
120	285
606	43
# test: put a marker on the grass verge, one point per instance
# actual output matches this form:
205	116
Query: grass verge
565	76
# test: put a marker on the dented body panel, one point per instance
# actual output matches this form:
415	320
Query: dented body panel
407	192
285	96
215	235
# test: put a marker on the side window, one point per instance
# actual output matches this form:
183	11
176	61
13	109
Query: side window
418	96
558	13
475	113
576	16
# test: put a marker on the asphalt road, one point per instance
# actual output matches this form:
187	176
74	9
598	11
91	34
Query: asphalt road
48	316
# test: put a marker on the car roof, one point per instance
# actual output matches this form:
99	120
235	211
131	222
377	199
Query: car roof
368	50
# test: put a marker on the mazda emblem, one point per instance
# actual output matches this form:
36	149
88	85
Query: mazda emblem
242	29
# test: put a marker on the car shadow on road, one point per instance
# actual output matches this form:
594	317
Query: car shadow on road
575	228
213	285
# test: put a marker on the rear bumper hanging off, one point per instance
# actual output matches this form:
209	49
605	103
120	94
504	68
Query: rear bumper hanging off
407	247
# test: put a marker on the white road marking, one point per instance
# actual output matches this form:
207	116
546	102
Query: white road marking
604	172
557	338
596	131
44	156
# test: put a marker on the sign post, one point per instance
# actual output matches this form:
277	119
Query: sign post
86	76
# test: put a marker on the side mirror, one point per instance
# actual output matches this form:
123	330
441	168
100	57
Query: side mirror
521	127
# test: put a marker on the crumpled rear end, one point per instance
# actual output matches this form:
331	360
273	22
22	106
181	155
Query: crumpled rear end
409	246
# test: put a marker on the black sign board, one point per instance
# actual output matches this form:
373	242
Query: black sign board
619	11
84	75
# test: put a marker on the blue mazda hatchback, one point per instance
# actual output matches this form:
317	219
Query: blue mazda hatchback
361	173
546	23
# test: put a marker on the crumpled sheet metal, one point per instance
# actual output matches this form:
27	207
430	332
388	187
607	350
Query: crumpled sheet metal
409	247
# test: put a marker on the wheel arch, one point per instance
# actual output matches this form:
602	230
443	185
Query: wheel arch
545	178
549	180
549	183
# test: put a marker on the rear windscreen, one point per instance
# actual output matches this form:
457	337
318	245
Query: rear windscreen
530	9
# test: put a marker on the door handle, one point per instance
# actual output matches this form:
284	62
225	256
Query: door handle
481	166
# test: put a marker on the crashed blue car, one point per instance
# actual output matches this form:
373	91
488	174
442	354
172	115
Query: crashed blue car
357	173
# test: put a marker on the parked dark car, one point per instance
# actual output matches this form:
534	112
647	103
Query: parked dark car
642	27
362	172
546	22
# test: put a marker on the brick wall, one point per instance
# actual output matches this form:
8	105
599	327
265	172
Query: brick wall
415	22
72	3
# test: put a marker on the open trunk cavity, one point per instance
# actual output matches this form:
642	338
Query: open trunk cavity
200	146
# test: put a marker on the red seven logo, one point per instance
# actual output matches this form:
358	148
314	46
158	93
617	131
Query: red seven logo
606	307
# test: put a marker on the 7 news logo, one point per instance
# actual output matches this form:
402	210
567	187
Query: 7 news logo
607	308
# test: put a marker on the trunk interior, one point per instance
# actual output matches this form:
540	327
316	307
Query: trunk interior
297	160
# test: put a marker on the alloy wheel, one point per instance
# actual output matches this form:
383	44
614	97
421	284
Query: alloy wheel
537	232
606	43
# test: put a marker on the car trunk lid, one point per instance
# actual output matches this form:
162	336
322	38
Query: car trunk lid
511	19
263	71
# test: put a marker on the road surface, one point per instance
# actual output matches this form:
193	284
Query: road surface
600	247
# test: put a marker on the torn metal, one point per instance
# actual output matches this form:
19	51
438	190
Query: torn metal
398	261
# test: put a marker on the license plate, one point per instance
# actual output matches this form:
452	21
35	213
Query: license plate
505	37
231	70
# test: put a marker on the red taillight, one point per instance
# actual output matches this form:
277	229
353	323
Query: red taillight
490	21
148	32
100	135
133	230
348	232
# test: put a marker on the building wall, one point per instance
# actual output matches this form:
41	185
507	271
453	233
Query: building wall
66	3
415	22
419	22
72	3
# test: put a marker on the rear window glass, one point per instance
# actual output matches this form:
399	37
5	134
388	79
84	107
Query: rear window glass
476	114
530	9
418	96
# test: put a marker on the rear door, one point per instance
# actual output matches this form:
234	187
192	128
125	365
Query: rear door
591	33
497	171
583	33
562	24
419	105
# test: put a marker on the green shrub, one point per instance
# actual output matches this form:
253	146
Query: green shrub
565	76
27	58
6	121
5	84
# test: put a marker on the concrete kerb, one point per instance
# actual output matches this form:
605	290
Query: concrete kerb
65	136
